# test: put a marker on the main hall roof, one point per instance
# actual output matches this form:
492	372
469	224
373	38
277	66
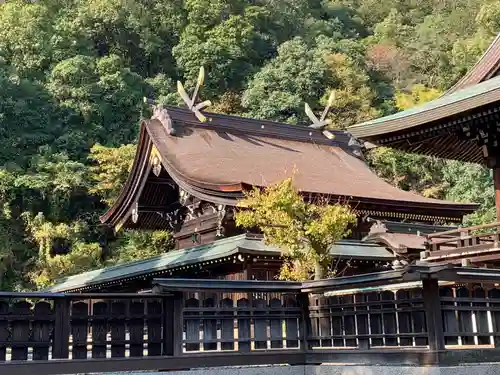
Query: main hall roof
218	160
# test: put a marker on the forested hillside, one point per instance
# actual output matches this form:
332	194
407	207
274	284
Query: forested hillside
73	74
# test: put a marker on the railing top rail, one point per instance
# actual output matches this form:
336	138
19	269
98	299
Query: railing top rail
370	279
461	230
420	271
162	287
186	285
44	295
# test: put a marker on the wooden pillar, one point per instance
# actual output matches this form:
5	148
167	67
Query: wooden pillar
432	306
496	179
247	269
173	324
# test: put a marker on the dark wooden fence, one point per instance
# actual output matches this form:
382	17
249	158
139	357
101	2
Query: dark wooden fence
189	323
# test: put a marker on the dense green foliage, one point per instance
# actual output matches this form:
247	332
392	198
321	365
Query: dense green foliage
73	74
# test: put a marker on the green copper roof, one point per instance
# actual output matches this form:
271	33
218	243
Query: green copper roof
447	105
216	250
348	249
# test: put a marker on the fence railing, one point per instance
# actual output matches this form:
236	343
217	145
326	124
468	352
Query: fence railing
481	242
192	323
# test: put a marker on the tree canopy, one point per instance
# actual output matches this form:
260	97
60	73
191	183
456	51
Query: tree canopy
305	231
73	75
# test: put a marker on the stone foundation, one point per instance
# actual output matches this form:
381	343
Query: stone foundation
474	369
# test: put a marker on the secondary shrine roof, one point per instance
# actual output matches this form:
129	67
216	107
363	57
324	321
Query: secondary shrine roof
218	251
453	126
488	66
445	107
217	160
402	237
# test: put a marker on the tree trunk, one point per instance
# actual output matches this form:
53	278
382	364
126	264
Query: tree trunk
319	270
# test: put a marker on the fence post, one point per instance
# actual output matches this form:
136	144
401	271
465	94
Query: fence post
433	315
305	321
60	337
172	324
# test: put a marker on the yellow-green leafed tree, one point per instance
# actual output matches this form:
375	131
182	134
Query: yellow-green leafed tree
82	256
304	231
110	171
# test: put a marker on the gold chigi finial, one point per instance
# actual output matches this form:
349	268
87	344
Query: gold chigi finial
322	122
191	102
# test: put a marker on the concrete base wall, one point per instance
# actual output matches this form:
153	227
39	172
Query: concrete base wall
479	369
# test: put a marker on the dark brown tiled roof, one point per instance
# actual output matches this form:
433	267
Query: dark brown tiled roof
487	66
216	161
224	161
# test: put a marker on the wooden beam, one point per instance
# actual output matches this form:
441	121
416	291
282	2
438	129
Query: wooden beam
162	181
496	179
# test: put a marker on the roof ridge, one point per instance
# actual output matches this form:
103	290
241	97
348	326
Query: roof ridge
258	127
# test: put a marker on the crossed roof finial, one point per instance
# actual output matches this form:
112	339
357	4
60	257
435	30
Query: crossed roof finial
160	113
322	122
191	102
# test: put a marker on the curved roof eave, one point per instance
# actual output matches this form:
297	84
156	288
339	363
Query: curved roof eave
485	68
445	106
119	212
136	178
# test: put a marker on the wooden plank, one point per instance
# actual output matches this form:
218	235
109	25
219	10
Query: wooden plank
389	318
375	318
450	322
154	327
494	295
105	365
209	325
136	328
418	317
362	325
192	326
62	328
291	324
244	339
433	314
313	311
42	327
336	318
227	324
483	337
461	251
260	323
118	328
349	319
467	229
4	329
275	324
324	323
99	329
79	329
20	330
404	317
465	317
